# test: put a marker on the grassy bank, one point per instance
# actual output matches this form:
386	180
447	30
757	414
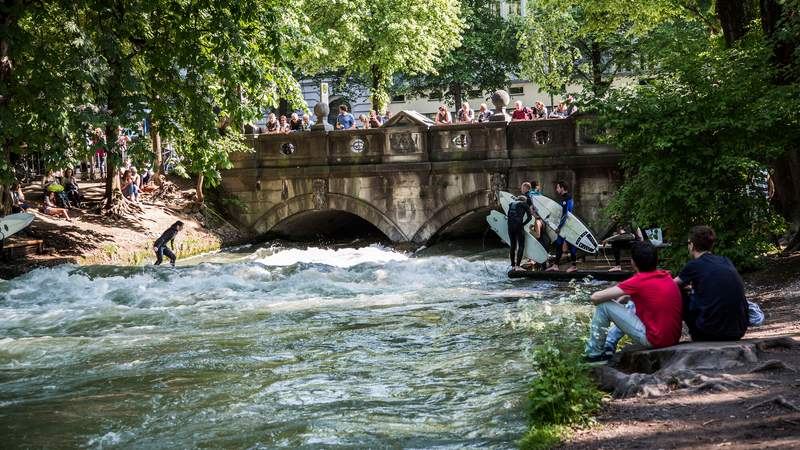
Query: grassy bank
563	395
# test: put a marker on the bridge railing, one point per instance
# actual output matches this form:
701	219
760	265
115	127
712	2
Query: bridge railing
407	140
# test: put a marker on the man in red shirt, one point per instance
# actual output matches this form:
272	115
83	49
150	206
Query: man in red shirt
656	321
519	112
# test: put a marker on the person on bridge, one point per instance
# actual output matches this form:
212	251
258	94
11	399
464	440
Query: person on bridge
561	244
345	120
519	215
160	246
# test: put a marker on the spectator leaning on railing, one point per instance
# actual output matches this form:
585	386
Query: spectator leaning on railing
443	116
465	114
483	114
345	120
520	112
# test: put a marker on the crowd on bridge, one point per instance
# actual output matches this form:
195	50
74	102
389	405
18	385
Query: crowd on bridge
347	121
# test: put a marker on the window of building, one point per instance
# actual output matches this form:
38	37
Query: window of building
516	90
496	7
435	95
399	98
475	93
514	7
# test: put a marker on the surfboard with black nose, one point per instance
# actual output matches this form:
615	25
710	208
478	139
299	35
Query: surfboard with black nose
14	223
573	230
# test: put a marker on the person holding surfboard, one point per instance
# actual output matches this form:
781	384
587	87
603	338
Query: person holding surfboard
519	215
561	244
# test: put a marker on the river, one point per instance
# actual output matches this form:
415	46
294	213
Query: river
272	347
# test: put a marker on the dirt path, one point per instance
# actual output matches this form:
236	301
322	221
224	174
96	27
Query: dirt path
746	417
93	238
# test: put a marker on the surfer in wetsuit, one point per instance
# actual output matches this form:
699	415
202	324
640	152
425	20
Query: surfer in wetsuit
519	215
160	246
566	207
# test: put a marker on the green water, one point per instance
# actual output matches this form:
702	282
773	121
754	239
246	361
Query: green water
270	348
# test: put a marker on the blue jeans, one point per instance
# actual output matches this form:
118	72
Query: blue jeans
615	334
628	323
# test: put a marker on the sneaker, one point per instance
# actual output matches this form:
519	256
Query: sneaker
603	357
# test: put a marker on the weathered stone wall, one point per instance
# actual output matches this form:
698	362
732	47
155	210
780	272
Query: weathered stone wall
411	179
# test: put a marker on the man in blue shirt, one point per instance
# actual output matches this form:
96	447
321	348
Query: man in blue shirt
566	207
345	120
716	308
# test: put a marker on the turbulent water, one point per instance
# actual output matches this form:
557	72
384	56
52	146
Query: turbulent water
270	347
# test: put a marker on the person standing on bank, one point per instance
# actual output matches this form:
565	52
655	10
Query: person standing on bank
561	244
160	246
716	308
519	215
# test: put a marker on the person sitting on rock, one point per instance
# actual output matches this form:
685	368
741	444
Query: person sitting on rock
715	309
129	189
71	188
49	207
18	203
656	320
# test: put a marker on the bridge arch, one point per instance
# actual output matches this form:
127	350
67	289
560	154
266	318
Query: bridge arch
306	203
455	210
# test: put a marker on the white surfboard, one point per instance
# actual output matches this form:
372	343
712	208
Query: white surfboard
498	222
13	223
573	231
505	200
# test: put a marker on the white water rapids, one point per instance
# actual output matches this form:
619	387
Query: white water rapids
270	348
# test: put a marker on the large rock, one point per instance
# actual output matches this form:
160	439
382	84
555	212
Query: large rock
654	372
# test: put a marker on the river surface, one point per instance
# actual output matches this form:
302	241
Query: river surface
271	347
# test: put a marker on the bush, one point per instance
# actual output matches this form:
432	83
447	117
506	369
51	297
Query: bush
563	394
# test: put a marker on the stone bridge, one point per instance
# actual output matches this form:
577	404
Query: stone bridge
412	180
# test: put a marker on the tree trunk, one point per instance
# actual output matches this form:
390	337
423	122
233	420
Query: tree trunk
786	170
7	22
377	89
199	188
112	179
455	91
157	155
283	107
597	72
735	16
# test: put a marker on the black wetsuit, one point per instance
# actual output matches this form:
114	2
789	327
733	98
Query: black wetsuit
160	246
519	215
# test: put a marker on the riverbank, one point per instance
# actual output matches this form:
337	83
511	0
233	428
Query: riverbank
95	238
747	412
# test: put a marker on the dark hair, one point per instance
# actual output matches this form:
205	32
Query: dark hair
178	224
702	238
342	108
563	185
535	183
645	256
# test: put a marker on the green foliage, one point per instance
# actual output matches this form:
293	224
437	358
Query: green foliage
488	53
379	39
563	394
697	135
588	43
